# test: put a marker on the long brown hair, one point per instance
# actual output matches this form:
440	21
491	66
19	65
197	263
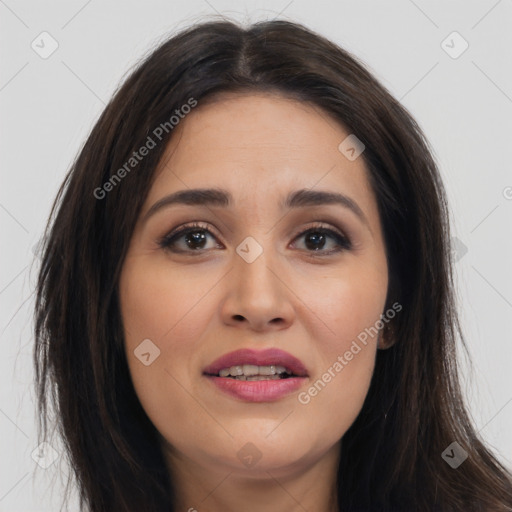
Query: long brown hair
391	457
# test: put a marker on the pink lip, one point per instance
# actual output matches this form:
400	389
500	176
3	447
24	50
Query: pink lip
257	390
262	390
267	357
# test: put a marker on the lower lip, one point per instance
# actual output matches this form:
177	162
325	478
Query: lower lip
257	390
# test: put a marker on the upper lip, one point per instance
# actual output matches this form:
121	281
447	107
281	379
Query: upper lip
267	357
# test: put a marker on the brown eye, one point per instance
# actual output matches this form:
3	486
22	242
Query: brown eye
187	239
317	240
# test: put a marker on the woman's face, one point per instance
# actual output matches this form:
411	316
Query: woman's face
306	279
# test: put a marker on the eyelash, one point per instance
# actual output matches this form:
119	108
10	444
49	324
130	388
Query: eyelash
167	241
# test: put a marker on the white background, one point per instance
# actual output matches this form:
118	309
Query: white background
464	105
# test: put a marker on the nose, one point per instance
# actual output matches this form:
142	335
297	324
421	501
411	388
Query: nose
257	295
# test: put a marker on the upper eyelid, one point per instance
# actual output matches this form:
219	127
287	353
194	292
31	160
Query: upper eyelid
321	224
192	225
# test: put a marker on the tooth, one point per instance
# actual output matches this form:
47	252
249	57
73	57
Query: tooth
251	369
236	370
258	377
268	370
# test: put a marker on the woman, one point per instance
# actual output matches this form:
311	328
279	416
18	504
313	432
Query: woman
246	299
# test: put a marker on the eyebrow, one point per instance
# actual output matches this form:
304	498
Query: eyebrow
222	198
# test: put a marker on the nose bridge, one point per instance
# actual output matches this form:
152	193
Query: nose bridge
256	291
255	266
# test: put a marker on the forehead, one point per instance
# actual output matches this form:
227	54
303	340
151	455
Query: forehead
256	144
269	126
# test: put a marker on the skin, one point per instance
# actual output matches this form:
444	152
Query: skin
198	305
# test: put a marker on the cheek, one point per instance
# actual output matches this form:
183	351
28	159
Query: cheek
162	304
348	310
171	309
165	307
346	305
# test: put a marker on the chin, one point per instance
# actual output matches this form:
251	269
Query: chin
254	452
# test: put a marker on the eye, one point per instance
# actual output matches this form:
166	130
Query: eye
316	238
194	238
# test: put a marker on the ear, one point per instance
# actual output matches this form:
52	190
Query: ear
387	337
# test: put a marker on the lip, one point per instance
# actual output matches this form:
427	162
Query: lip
257	390
267	357
262	390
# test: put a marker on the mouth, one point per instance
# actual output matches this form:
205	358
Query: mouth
247	364
257	376
252	372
